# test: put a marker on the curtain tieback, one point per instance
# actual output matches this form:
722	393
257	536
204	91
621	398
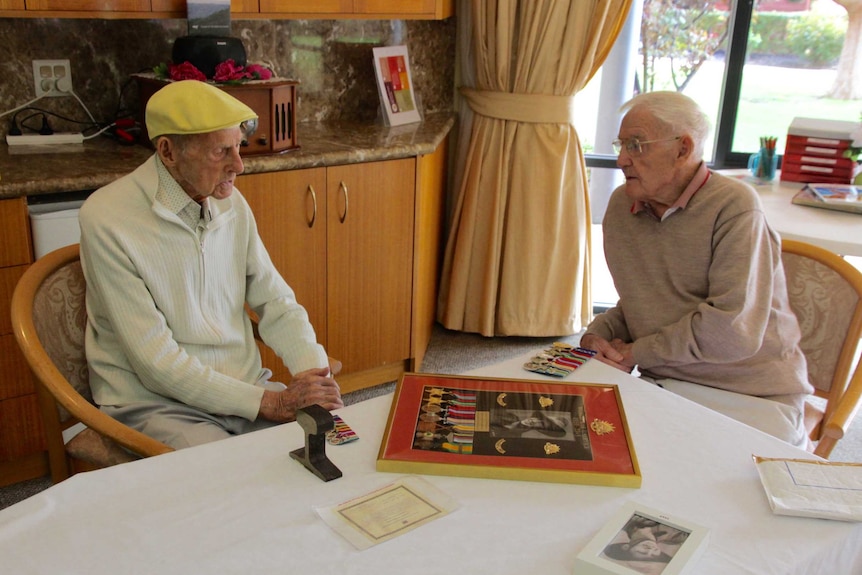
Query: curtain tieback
530	108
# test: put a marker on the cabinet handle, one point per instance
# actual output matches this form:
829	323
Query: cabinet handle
343	188
314	204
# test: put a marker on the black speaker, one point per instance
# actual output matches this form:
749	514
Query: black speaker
206	52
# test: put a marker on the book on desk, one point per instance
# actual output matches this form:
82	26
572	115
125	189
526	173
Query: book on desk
840	197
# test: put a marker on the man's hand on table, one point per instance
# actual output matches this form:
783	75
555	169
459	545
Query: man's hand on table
615	353
314	386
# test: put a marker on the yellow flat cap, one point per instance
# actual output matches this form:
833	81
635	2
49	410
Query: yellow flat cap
193	107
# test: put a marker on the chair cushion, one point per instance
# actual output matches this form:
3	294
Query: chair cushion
97	449
62	297
823	302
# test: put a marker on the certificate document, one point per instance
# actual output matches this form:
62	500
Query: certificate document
387	512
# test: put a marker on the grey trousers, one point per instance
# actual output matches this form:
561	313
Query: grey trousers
777	419
179	425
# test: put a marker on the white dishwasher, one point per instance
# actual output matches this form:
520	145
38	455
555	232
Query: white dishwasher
54	221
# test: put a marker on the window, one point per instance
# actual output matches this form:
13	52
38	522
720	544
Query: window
753	65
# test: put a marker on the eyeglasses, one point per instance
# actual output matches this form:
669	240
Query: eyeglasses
635	147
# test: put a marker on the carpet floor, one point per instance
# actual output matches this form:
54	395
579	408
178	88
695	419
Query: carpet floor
455	352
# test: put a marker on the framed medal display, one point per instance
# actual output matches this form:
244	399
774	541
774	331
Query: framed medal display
509	429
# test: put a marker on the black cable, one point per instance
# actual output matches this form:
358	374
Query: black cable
56	115
23	122
121	111
46	129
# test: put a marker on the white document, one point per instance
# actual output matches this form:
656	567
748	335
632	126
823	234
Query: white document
387	512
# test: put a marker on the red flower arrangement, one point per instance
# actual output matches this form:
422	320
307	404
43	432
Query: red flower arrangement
227	72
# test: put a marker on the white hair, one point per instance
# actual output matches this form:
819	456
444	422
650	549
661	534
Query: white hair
677	112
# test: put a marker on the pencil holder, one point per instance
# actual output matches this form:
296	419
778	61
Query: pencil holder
763	165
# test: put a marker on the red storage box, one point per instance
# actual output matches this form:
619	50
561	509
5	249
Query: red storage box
815	149
838	167
802	145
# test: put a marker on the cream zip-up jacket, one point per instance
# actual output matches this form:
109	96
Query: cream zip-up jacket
166	317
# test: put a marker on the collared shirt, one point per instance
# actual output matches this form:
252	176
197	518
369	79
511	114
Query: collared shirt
171	195
696	183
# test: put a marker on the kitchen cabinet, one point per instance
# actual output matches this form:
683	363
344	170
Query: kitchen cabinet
90	5
438	9
387	9
95	8
22	442
290	210
370	262
332	9
342	237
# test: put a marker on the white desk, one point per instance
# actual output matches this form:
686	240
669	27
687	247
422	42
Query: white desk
838	232
243	506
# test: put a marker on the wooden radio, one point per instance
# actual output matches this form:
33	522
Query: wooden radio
273	100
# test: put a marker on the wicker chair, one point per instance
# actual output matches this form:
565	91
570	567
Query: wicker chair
826	296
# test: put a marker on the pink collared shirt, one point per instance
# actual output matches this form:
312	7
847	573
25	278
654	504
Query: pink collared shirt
696	183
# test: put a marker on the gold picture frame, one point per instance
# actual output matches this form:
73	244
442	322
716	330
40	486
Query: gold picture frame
509	429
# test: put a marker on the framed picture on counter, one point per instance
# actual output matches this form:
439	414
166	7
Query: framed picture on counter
395	85
509	429
639	540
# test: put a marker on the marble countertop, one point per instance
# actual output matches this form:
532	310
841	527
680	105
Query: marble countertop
30	171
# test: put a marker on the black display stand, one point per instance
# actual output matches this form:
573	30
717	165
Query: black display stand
316	421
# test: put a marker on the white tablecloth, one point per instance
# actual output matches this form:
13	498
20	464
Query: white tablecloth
244	506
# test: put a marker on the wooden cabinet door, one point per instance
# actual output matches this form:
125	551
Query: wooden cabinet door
370	262
403	7
15	243
307	6
90	5
168	6
244	6
290	209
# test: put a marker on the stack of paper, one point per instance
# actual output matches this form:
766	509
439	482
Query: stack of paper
823	489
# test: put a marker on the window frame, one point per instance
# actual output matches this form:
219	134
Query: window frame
724	157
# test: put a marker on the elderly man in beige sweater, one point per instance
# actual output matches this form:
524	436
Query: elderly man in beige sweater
703	307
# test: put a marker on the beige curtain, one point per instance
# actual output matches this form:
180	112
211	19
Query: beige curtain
517	260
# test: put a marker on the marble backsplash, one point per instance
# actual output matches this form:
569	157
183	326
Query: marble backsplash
331	59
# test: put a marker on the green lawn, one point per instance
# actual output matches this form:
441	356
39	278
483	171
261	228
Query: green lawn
771	97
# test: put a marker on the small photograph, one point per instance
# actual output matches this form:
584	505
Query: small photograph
208	17
645	545
395	85
639	540
534	424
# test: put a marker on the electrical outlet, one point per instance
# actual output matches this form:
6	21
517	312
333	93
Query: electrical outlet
52	77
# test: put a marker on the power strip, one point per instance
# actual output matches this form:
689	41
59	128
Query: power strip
38	139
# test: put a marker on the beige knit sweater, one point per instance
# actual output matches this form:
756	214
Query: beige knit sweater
703	294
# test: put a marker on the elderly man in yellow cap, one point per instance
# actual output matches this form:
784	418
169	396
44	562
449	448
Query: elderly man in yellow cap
171	256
